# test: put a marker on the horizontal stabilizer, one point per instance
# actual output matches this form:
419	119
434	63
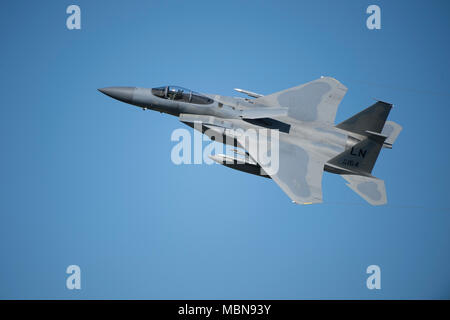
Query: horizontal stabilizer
391	130
370	189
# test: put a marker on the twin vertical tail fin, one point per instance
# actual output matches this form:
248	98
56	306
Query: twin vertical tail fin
371	132
371	119
360	158
355	166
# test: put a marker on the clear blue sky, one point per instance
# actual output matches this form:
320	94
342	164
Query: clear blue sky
87	180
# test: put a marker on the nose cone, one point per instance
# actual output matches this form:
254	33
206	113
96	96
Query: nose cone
124	94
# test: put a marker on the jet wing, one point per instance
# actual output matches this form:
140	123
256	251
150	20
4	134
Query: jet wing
298	173
313	101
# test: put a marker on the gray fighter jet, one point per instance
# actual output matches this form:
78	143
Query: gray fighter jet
308	140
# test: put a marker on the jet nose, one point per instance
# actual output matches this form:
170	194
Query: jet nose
124	94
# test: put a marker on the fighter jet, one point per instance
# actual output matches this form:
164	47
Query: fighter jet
309	142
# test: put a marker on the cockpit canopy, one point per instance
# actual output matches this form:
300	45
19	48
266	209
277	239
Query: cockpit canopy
181	94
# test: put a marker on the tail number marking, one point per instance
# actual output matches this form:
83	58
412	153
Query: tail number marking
361	153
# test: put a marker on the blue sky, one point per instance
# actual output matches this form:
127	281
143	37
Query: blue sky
88	180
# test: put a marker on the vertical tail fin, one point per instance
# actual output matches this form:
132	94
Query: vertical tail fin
356	163
360	159
370	119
